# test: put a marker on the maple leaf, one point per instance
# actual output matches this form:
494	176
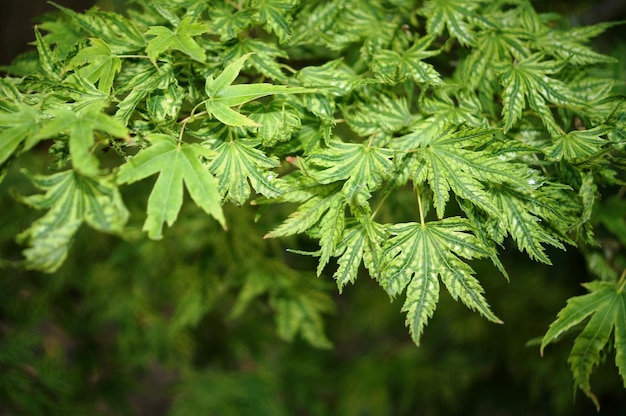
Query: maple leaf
384	114
393	67
238	161
119	32
223	95
176	164
449	160
417	254
262	55
102	64
180	39
17	128
519	220
578	145
453	15
71	199
278	122
273	13
326	212
80	125
361	242
605	306
527	79
363	168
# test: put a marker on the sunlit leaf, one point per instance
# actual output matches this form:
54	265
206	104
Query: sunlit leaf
176	164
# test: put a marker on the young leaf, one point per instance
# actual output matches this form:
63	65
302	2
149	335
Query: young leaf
528	79
361	166
277	122
180	39
361	243
606	304
223	95
235	163
16	128
578	145
71	199
81	126
417	254
102	64
393	67
449	161
453	14
176	164
274	14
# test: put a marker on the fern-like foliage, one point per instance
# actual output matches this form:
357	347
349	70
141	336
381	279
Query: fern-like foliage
483	115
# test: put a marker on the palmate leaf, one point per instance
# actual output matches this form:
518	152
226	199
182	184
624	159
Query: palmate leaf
527	79
102	64
393	67
180	39
325	214
262	57
578	145
449	161
223	95
453	15
176	164
361	242
274	15
238	161
17	128
146	80
80	125
417	254
606	305
118	32
278	122
383	114
524	226
363	168
71	199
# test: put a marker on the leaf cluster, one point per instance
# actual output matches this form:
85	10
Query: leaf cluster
485	118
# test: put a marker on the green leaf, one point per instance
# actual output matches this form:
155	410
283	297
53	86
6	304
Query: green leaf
522	224
327	212
528	79
417	254
363	168
71	199
180	39
176	164
81	126
145	80
453	15
386	114
102	64
274	15
223	95
361	243
117	31
238	161
17	128
278	121
393	67
47	57
262	57
450	161
606	305
578	145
